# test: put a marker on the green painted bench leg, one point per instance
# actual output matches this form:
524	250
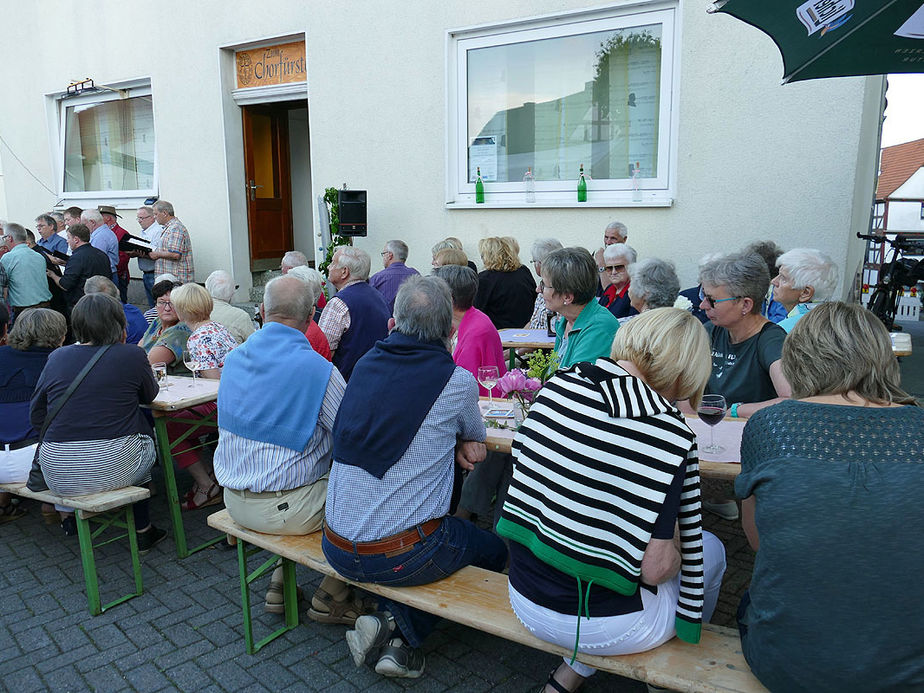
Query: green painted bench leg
133	546
289	594
512	355
89	564
173	500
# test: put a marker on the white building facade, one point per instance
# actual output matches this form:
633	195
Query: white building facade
243	115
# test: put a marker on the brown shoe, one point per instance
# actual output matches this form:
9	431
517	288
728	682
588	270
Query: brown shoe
325	609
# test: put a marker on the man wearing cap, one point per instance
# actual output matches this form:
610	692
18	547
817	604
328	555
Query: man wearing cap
110	219
174	252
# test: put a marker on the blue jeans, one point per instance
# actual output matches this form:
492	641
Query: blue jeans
147	278
454	545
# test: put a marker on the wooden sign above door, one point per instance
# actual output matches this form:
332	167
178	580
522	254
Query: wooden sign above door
270	65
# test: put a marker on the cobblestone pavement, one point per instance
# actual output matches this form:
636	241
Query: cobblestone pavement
185	631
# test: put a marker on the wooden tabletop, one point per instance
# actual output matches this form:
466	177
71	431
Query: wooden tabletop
901	343
182	393
516	338
724	466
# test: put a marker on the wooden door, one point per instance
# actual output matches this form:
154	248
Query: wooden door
267	180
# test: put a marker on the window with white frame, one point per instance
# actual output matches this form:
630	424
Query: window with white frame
549	95
107	144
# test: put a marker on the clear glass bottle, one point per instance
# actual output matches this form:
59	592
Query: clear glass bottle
529	182
582	186
636	192
479	187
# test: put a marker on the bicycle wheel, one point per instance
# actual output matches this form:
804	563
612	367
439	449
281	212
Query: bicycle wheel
882	307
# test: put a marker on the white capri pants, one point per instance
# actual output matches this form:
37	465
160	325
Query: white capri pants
626	633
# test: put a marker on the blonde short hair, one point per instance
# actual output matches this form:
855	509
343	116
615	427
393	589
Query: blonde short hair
498	254
838	348
451	256
671	350
191	302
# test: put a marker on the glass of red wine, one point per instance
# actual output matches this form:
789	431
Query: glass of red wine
711	410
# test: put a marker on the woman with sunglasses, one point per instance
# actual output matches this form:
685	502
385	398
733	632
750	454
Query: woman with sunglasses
617	259
746	347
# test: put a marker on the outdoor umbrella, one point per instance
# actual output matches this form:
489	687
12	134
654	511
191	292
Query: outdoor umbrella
837	38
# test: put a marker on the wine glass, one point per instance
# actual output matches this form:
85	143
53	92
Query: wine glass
711	410
160	374
191	363
487	376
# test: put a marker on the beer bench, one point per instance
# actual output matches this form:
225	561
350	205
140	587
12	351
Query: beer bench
478	598
107	509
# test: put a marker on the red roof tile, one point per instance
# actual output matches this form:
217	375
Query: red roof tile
898	164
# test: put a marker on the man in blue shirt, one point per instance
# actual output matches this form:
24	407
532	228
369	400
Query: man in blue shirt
49	239
135	324
27	286
407	416
390	279
102	238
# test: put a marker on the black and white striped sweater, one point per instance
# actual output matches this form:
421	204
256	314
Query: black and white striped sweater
594	461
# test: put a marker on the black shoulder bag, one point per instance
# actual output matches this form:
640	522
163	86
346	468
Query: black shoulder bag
36	480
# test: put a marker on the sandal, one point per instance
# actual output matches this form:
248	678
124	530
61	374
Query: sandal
556	684
212	496
10	512
344	611
50	517
275	603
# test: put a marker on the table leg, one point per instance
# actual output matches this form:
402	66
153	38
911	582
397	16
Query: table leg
512	358
173	499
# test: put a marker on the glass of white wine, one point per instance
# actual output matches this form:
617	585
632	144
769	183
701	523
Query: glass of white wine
160	374
191	363
487	377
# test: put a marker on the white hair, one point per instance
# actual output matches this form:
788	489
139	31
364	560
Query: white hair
91	215
312	280
620	250
356	260
294	258
220	285
810	267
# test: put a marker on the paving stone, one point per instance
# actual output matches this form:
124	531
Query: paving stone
64	680
107	656
23	681
231	676
107	679
181	655
188	677
146	678
49	664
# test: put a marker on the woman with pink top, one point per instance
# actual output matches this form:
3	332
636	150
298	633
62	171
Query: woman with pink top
477	343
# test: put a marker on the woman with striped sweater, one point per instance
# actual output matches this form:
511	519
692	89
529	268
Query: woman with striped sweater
607	552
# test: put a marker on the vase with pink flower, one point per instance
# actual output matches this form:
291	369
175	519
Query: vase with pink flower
516	385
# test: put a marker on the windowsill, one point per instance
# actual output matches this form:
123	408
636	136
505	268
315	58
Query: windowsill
654	201
117	201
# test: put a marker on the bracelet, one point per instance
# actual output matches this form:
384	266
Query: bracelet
734	409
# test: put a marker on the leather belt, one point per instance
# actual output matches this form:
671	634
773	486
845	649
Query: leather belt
19	445
396	542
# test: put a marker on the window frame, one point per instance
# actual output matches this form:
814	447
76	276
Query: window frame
111	92
655	192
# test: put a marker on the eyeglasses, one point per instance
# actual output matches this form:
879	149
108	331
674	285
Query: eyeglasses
140	218
614	268
164	304
543	286
703	296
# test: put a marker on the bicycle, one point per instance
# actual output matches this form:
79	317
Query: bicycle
894	275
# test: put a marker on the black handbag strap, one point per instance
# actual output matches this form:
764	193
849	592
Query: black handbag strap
59	403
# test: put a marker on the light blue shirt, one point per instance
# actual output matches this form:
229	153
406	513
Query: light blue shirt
795	315
26	281
418	487
104	239
244	464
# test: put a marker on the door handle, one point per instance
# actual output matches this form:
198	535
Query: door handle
253	189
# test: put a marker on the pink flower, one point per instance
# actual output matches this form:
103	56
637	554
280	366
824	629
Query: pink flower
513	381
533	384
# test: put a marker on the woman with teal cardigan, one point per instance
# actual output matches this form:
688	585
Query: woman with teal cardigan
586	329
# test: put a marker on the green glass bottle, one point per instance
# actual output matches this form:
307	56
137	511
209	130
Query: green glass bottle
582	186
479	187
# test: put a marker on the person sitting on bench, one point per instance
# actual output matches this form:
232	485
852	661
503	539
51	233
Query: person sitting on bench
273	466
607	553
407	413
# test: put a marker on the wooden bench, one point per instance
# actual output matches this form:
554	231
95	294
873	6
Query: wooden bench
478	598
107	509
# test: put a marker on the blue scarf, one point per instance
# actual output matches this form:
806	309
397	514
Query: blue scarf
272	387
391	391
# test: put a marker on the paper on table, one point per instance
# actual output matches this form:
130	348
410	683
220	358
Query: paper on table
913	28
727	434
181	388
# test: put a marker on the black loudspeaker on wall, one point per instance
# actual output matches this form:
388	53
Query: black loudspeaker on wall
352	208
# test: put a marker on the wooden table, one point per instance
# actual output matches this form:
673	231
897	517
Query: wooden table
513	338
181	393
723	467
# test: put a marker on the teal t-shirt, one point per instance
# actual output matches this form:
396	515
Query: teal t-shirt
835	594
591	337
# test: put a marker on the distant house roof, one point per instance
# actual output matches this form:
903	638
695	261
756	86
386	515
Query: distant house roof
898	164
